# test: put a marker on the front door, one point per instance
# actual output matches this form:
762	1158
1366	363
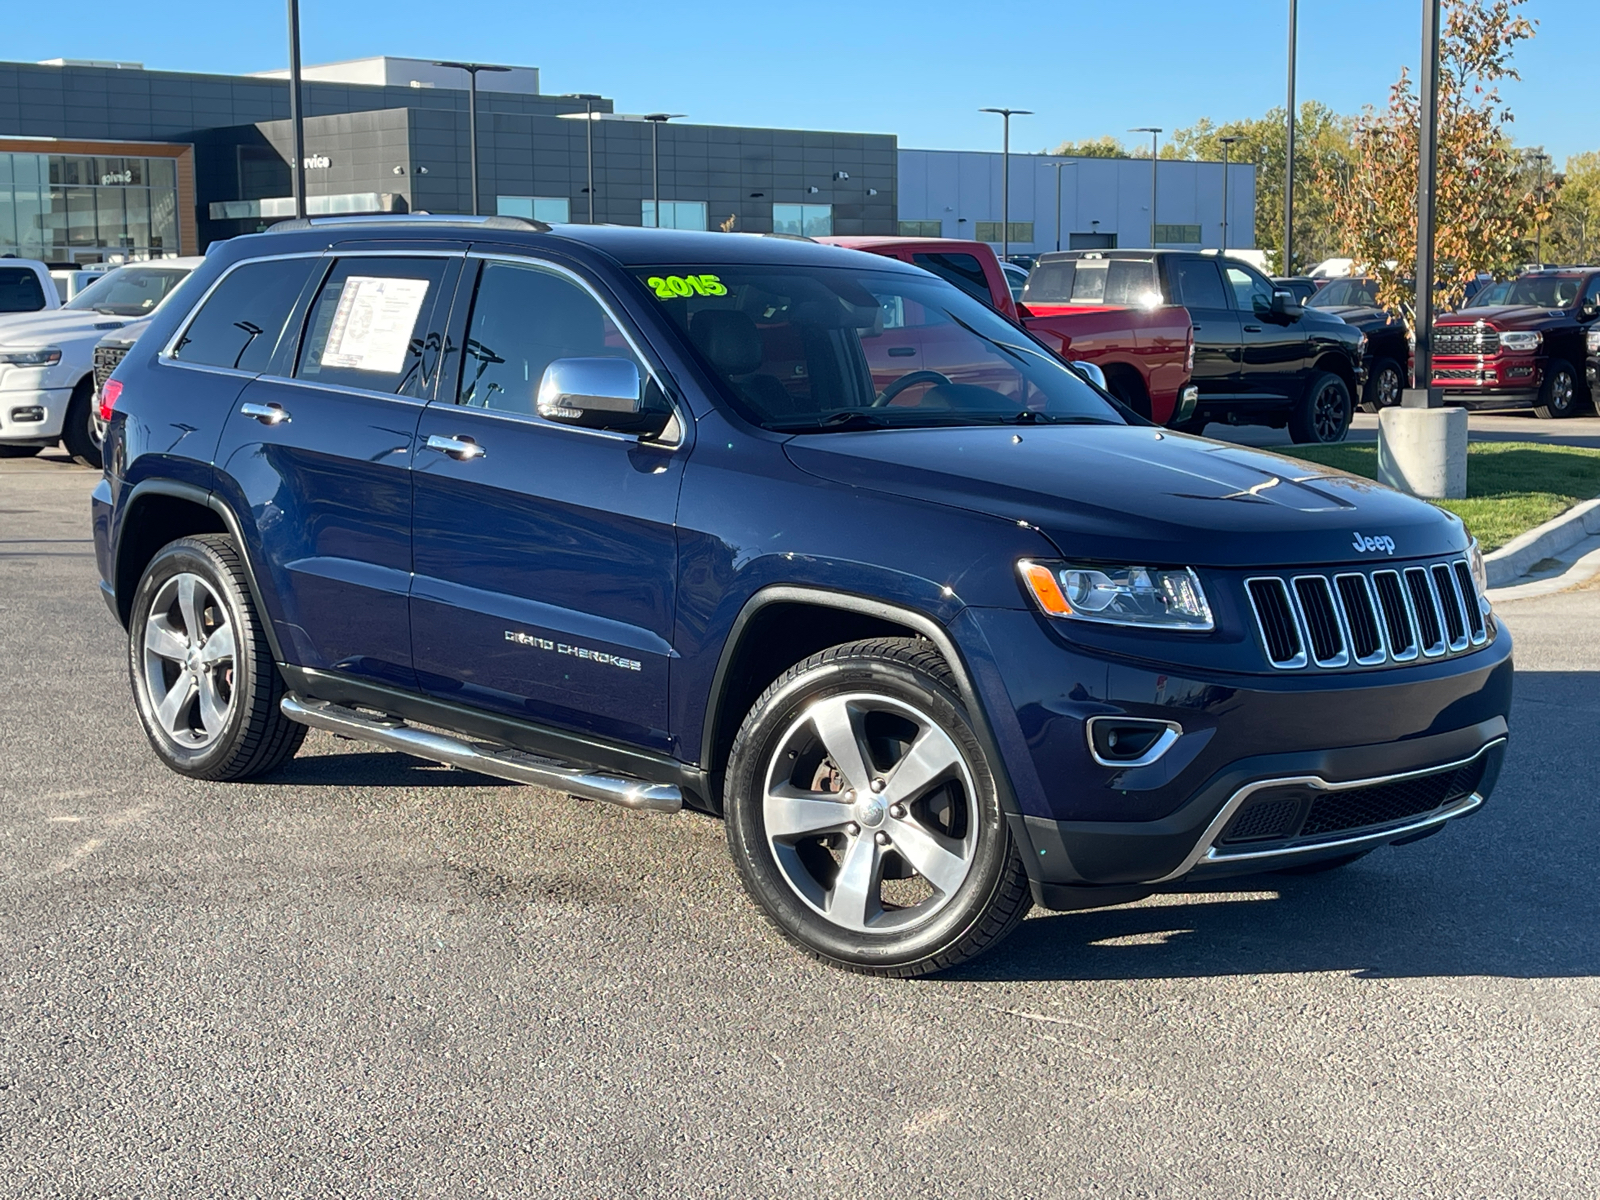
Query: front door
545	555
320	447
1197	285
1274	348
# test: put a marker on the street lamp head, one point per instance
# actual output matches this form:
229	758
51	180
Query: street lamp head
1147	129
1009	112
471	67
581	96
1229	140
660	117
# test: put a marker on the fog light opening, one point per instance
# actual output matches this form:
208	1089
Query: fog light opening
1130	741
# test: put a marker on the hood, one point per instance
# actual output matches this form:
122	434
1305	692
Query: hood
1138	495
1509	316
127	335
1363	318
47	328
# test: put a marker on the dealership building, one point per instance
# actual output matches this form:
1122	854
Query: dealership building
105	161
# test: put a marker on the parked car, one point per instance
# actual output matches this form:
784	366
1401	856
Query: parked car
47	359
25	288
1260	357
69	281
108	352
1591	369
645	516
1143	351
1390	355
1016	279
1525	352
1301	287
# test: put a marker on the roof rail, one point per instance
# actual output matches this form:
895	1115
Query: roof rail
417	218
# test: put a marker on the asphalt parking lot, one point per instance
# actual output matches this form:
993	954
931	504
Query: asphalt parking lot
1482	427
368	976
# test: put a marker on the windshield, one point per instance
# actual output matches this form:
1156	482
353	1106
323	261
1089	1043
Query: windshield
809	349
1494	294
1347	293
1544	291
129	291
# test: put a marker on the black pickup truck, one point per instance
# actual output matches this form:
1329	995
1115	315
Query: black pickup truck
1389	352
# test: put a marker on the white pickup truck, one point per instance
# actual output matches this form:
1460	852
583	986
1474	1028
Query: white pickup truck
25	288
47	358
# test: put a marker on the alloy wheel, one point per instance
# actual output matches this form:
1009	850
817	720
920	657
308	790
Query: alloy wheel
870	813
1327	412
188	661
1561	392
1387	393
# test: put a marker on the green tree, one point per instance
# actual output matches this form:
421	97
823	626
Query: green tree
1485	211
1573	231
1323	156
1100	147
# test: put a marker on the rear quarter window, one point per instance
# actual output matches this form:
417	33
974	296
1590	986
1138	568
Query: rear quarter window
239	324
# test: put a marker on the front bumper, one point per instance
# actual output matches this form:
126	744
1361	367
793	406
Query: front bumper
1502	381
33	416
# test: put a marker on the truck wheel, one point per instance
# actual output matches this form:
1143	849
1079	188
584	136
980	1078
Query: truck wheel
79	434
863	817
1323	413
1558	397
1384	385
203	678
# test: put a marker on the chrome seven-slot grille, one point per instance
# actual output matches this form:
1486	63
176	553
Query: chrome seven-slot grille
106	359
1367	618
1466	339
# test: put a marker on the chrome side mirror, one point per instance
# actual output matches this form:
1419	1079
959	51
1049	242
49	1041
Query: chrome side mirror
598	393
1092	373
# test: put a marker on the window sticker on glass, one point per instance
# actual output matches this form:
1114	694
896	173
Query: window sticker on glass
372	326
674	287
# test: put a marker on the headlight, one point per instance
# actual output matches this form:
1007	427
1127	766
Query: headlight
1151	597
1520	339
1594	341
1480	573
47	357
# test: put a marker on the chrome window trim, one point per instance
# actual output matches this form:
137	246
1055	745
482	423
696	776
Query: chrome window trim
1299	660
1169	738
536	421
1371	593
1415	651
648	362
1342	658
1205	846
363	393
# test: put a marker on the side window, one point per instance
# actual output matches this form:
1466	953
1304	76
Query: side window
524	318
20	291
370	322
1252	293
239	324
1132	281
963	270
1591	294
1197	284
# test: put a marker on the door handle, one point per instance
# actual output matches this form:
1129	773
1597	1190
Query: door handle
267	414
462	449
1252	329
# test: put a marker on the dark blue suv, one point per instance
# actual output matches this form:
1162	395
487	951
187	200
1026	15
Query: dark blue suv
804	538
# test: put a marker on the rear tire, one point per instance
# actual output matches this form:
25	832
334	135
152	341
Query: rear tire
204	680
1558	395
1321	417
1384	385
863	817
79	434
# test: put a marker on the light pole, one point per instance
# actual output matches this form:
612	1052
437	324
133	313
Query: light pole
1227	144
1005	174
1288	162
1422	394
657	120
1071	162
472	70
298	173
1538	226
588	99
1155	141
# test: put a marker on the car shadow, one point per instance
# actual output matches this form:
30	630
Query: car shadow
1512	891
375	768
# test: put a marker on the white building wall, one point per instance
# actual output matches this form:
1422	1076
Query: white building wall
1098	195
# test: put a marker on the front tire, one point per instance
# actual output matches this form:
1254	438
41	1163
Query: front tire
1323	413
203	677
863	817
1558	395
80	433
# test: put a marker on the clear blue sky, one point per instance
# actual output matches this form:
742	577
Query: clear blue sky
920	70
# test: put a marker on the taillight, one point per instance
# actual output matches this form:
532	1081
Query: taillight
109	392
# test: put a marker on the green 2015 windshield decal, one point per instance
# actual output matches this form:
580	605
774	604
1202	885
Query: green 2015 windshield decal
675	287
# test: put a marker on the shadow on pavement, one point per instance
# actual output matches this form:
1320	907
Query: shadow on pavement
1513	891
374	768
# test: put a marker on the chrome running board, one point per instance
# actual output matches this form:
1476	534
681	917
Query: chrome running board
500	762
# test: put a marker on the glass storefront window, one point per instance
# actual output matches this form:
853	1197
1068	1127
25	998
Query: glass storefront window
66	208
552	210
675	214
803	220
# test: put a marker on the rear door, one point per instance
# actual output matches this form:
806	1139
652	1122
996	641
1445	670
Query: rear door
546	556
317	453
1274	349
1196	283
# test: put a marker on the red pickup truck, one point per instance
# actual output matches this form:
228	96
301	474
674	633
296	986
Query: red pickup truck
1146	352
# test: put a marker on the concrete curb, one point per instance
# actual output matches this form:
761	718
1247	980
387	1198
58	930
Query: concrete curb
1512	560
1579	565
